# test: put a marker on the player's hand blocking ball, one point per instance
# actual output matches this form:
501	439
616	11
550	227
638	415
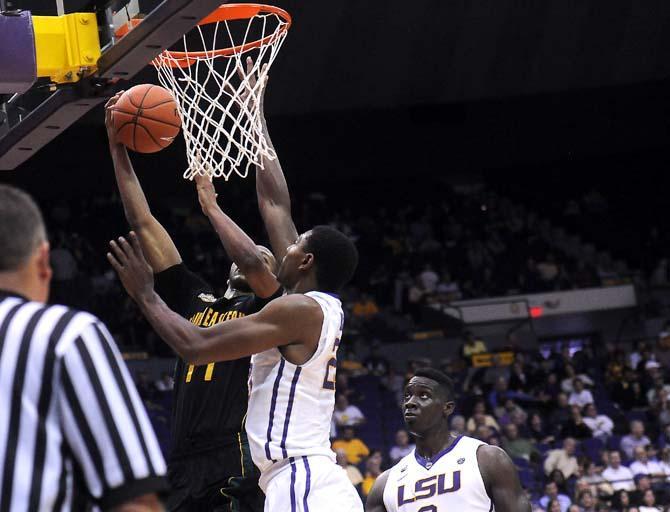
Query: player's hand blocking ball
144	118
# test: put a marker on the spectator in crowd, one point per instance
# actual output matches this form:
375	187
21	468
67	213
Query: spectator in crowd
634	439
621	501
472	346
601	426
586	501
373	468
643	465
347	414
575	426
517	446
659	387
429	278
537	430
642	485
563	459
595	480
480	417
352	446
395	383
365	307
553	506
567	384
376	364
619	476
561	412
353	473
551	493
496	372
402	446
483	433
579	396
518	380
649	502
665	462
458	424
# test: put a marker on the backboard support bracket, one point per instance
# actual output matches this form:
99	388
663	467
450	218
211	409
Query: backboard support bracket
21	138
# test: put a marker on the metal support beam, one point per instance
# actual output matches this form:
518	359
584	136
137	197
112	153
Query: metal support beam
159	30
42	125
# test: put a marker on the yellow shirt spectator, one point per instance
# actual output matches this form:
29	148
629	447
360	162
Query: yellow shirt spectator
354	448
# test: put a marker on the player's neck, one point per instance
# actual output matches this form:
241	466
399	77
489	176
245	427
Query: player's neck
307	284
434	442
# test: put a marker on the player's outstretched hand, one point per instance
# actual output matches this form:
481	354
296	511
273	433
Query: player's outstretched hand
252	84
206	194
111	134
129	262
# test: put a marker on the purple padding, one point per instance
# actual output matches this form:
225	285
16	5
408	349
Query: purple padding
18	67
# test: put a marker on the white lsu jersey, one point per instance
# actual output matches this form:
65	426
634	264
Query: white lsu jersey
449	481
291	407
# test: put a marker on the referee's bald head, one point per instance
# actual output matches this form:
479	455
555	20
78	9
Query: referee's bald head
21	228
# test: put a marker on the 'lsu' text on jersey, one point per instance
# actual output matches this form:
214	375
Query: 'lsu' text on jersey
451	480
290	407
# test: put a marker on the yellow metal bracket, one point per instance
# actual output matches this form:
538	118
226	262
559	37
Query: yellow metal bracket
66	46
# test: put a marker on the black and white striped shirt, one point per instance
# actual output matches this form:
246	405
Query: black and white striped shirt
73	430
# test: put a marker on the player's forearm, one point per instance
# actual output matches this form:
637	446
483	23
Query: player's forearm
135	203
156	242
274	202
271	185
180	334
238	245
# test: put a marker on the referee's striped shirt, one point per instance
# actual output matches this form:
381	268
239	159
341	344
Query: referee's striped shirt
73	431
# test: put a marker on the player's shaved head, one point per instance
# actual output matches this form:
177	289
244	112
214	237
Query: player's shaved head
21	228
444	384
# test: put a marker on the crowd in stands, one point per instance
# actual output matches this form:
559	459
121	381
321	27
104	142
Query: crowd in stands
463	244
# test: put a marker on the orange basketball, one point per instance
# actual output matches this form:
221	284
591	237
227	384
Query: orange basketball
145	118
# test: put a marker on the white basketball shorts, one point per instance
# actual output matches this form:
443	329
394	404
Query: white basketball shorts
311	484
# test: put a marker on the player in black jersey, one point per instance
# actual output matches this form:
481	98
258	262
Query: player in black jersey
210	468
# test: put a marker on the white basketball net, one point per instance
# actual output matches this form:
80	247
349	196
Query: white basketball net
219	109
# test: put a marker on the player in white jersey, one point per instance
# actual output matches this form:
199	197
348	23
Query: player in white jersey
294	340
445	472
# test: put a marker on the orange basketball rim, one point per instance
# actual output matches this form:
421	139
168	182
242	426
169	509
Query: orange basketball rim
233	12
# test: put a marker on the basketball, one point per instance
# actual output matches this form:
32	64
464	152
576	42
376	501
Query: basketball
146	119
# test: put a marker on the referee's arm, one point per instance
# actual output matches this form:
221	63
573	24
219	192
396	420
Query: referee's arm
106	426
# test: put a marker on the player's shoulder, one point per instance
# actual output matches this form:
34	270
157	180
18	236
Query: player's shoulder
492	460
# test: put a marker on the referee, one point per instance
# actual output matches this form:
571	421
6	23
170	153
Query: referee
73	432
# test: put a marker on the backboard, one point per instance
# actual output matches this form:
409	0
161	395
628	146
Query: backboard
30	120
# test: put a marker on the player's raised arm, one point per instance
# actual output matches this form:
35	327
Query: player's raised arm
375	501
289	320
501	480
241	249
158	247
274	201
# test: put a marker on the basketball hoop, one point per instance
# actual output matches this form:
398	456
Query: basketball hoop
218	96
